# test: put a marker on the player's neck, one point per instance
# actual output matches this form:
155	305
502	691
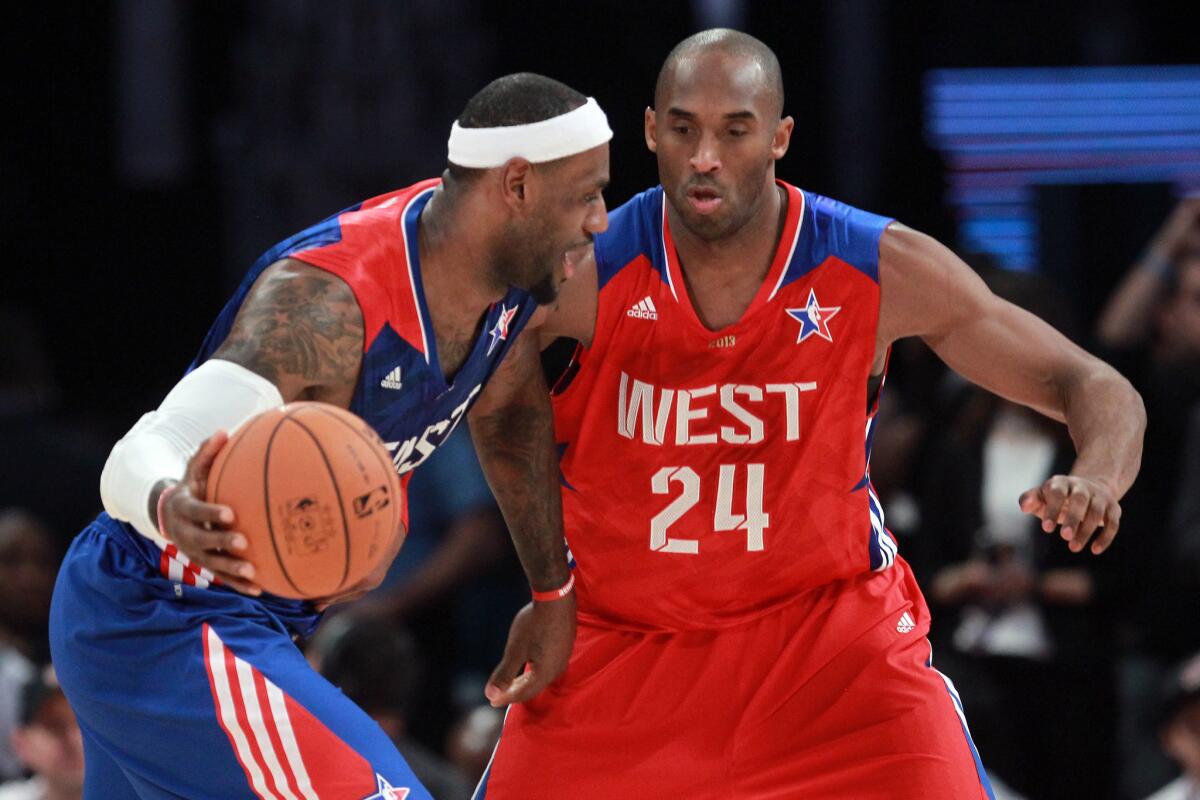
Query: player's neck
744	255
454	255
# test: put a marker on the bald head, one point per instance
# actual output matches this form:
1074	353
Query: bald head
741	49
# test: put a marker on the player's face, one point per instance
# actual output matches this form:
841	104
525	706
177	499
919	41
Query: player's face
542	251
717	134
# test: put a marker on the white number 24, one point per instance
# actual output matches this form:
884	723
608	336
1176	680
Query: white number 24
753	522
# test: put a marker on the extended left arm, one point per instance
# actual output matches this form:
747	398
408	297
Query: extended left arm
929	292
513	431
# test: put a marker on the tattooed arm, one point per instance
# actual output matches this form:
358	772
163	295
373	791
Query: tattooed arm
301	328
513	431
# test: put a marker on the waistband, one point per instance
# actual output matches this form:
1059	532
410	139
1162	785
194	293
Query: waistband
170	564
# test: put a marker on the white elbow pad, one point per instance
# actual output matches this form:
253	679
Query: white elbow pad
217	395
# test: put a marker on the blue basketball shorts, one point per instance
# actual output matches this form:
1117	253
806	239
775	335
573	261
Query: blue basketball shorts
184	689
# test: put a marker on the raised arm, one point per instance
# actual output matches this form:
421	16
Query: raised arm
513	431
1127	316
928	291
298	335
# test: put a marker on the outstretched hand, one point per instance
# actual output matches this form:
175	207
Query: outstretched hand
539	646
1080	507
203	531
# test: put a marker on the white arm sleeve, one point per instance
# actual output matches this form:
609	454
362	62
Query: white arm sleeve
217	395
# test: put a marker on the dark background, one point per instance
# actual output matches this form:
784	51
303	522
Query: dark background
156	148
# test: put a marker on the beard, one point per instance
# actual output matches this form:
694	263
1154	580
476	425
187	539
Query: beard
526	259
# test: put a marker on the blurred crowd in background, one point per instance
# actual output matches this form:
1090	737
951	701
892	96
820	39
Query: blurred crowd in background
180	140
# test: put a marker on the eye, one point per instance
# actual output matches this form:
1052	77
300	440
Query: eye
682	130
738	132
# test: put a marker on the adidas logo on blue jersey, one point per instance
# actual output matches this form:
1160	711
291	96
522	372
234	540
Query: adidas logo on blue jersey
392	381
643	310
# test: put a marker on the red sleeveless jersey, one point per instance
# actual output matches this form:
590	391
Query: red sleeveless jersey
711	476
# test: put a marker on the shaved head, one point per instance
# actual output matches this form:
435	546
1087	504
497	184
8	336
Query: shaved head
729	43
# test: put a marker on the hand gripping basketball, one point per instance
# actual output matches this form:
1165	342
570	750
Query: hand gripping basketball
203	531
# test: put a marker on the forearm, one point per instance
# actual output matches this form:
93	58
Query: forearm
1107	420
216	396
515	446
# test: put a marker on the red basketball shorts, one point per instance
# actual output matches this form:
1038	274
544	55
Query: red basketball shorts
832	696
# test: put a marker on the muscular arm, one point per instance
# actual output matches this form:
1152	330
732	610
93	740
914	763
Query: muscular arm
929	292
301	329
513	430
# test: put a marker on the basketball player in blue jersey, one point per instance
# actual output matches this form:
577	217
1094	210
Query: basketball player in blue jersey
407	309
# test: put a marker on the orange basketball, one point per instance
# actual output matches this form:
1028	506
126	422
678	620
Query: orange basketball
313	489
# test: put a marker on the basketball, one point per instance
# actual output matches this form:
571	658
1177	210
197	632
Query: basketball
313	489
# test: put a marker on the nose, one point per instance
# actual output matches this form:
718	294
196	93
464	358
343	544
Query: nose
705	158
597	219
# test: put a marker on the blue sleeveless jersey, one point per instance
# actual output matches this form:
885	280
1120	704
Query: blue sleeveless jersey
401	390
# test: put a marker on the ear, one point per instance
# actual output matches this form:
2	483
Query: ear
782	138
651	130
516	184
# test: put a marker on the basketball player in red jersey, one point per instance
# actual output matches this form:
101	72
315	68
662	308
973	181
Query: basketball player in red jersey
746	627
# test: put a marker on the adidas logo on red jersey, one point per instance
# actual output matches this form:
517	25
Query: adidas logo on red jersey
643	310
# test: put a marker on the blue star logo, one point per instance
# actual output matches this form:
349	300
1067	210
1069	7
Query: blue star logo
813	318
499	332
385	791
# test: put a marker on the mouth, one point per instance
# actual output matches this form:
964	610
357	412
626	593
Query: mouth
704	200
573	257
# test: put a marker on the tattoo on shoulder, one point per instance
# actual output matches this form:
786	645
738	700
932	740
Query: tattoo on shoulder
300	327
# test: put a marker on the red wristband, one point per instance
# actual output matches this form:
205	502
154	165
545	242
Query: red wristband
556	594
162	497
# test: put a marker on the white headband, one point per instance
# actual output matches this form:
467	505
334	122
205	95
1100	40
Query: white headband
558	137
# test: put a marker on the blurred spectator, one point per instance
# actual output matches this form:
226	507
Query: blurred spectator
28	564
48	743
15	672
1150	329
1021	623
49	467
1179	730
455	585
473	739
375	664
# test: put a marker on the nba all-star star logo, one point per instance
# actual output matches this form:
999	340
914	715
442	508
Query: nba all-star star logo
813	318
500	332
385	791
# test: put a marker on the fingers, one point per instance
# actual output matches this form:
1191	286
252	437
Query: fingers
525	686
233	572
197	511
1087	526
214	549
1055	492
1112	522
1083	507
1074	509
506	680
1032	502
